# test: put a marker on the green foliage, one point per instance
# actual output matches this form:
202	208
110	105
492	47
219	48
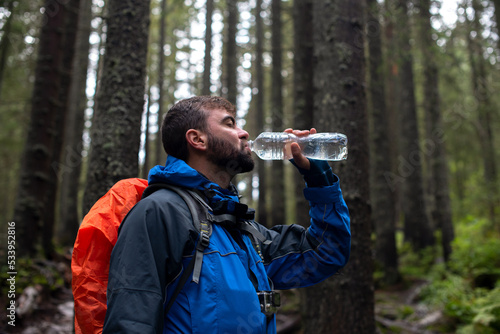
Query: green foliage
32	273
475	254
469	289
412	263
454	295
405	311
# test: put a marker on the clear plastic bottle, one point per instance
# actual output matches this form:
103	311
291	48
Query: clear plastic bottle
321	146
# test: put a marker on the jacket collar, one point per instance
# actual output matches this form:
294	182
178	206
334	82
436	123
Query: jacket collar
179	173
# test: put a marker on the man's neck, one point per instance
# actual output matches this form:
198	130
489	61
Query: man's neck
212	172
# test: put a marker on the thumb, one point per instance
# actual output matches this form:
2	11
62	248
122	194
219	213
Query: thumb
299	159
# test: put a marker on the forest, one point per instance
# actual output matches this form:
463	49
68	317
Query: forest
84	86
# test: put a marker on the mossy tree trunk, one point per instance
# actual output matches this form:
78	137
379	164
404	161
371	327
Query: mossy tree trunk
381	193
34	211
71	164
116	125
345	303
277	170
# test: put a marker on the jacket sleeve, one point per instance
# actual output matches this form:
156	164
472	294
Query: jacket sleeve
146	257
300	257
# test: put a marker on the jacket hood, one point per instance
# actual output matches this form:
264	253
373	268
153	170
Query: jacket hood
179	173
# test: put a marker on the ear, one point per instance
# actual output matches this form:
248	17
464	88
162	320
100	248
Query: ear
196	139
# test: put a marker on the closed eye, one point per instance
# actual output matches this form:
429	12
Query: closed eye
230	121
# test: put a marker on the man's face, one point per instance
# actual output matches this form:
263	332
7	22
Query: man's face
227	143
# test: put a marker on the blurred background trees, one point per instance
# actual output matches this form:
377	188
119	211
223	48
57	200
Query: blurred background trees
411	82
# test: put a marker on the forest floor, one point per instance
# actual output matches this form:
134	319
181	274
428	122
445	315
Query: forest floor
397	310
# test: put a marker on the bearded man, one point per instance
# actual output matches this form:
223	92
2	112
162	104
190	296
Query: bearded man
239	272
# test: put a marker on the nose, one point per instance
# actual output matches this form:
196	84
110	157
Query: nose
242	134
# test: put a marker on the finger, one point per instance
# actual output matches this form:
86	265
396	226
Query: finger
313	131
301	133
299	159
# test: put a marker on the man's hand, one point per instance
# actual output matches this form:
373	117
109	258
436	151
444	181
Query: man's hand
299	159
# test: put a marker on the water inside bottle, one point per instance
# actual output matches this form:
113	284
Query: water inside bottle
321	146
325	147
276	146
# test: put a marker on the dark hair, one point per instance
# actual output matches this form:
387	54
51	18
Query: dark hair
188	114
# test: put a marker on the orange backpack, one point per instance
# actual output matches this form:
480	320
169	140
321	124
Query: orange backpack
92	251
97	236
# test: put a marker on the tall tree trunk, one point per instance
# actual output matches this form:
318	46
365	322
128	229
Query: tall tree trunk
101	49
278	179
208	48
71	164
436	151
260	115
391	96
303	89
382	196
230	90
5	42
484	113
159	152
344	304
116	124
417	229
496	4
147	140
303	103
35	204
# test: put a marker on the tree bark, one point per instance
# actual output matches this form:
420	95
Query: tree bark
417	229
436	152
484	113
382	196
208	48
5	42
159	151
230	90
345	303
35	205
391	97
71	164
496	4
277	170
116	124
147	140
303	89
260	115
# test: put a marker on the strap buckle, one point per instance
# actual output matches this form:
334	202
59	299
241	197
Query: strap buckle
270	301
204	240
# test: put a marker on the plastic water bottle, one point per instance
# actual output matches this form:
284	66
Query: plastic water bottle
320	146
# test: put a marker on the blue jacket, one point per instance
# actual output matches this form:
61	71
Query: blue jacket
157	240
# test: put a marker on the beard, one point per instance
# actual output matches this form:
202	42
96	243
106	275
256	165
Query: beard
223	154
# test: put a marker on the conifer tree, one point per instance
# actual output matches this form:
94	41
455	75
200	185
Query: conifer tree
344	304
35	204
116	124
278	185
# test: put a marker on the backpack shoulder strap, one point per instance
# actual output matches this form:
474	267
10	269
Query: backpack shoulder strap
195	203
202	220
